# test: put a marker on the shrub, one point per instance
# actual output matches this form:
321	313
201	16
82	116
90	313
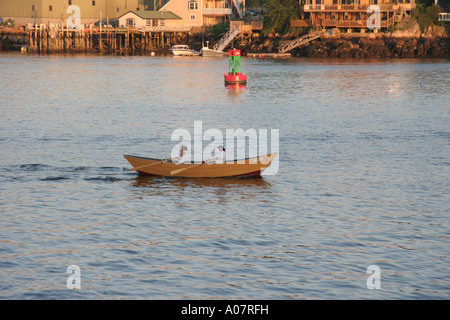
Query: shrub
426	15
279	15
219	29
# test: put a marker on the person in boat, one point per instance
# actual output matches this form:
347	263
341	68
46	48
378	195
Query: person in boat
182	157
220	158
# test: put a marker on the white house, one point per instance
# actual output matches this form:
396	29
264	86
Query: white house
141	19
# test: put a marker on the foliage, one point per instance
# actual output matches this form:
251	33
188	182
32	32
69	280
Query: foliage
9	23
220	29
426	15
425	3
255	3
279	14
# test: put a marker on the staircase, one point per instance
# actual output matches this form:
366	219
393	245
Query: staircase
398	14
234	4
226	39
299	41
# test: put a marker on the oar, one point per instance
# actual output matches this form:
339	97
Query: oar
182	169
147	165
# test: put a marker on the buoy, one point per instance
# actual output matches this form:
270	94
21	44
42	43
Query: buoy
234	75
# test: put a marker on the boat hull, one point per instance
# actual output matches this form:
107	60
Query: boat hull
183	50
206	52
185	53
158	167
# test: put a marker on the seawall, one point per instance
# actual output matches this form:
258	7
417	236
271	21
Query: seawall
400	45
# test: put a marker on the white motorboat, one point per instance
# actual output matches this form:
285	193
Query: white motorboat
183	50
207	52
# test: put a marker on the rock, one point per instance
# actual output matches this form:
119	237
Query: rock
434	32
362	46
412	32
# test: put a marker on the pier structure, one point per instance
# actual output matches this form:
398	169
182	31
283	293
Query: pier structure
58	38
299	41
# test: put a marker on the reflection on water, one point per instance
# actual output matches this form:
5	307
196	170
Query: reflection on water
235	89
227	189
143	181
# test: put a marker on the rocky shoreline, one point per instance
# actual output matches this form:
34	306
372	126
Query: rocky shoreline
434	43
385	47
409	43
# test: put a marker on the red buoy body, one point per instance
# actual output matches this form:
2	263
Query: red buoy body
235	78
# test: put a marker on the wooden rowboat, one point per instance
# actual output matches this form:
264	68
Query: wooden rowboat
160	167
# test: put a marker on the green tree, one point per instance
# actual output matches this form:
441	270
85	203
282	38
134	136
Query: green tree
255	3
280	13
426	15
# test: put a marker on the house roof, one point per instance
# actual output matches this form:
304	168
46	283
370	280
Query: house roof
150	14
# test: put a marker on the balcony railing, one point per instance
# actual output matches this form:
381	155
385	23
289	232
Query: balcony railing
217	11
164	29
349	23
444	16
344	7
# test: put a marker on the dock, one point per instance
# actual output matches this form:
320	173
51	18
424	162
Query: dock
269	55
313	35
55	38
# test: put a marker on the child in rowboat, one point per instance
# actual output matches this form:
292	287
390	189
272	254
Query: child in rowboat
221	157
182	157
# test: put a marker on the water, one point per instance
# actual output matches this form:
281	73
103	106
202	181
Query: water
363	180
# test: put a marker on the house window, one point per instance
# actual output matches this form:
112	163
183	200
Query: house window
130	22
192	5
192	17
117	9
50	8
93	3
148	22
70	2
33	8
162	22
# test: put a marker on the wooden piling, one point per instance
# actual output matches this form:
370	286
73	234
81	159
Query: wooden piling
57	38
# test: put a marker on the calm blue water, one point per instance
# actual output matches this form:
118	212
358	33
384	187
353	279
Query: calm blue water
363	180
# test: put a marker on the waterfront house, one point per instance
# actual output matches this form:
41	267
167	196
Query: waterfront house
141	19
205	12
217	11
55	11
192	12
444	16
351	15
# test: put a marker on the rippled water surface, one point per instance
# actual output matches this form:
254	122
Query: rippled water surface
363	180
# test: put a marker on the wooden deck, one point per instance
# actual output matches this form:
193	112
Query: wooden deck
268	55
299	41
55	38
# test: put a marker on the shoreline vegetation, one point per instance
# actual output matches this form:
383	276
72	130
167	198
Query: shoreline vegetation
419	35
